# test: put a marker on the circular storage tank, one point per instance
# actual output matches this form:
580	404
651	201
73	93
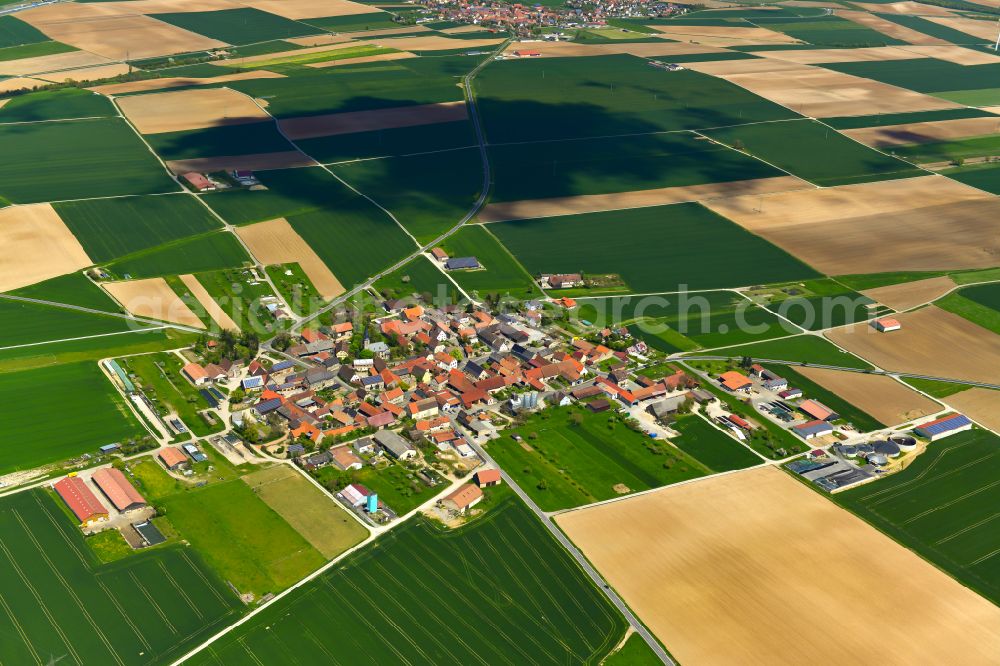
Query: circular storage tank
904	443
888	449
850	451
865	449
877	459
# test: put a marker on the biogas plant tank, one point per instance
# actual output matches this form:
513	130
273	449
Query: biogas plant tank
886	448
904	442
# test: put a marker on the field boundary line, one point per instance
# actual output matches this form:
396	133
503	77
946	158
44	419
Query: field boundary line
953	502
967	528
83	337
984	558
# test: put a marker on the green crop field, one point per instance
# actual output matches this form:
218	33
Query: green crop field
943	506
500	273
59	412
882	119
241	537
932	29
232	290
660	248
702	319
619	164
77	159
355	22
216	141
294	286
793	146
289	192
237	26
294	63
419	276
42	323
160	379
935	388
56	105
208	252
817	304
14	32
634	652
960	149
710	446
986	177
389	142
61	603
980	305
570	456
112	228
72	288
827	31
927	75
800	349
93	349
861	420
360	87
543	99
34	50
428	194
498	586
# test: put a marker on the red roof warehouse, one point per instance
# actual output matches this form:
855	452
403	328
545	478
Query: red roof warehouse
80	500
117	489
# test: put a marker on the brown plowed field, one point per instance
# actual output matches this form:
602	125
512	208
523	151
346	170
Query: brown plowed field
84	74
985	30
749	35
305	9
648	49
153	298
745	568
883	397
979	404
911	294
190	109
214	310
36	246
822	56
931	342
888	28
181	82
276	242
308	127
956	54
914	224
50	63
938	130
523	210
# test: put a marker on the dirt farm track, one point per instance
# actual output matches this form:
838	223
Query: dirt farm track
755	568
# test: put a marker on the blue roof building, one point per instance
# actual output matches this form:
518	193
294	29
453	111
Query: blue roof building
944	426
458	263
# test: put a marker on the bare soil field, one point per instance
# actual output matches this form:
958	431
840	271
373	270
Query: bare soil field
938	130
742	569
181	82
153	298
888	28
308	127
460	29
436	43
523	210
37	246
251	162
50	63
888	400
84	74
319	40
931	342
913	224
275	242
911	294
956	54
817	92
986	30
214	310
133	36
907	7
400	55
572	49
4	101
979	404
750	35
19	83
305	9
190	109
822	56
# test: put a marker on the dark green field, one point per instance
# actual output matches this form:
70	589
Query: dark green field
73	288
819	304
703	319
827	31
428	194
59	412
620	164
389	142
561	464
500	273
237	26
419	276
33	50
217	141
56	105
500	586
543	99
794	147
881	119
933	29
61	604
943	506
979	304
983	176
927	75
660	248
112	228
41	323
93	349
958	150
711	446
355	22
289	192
14	31
801	348
208	252
77	159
